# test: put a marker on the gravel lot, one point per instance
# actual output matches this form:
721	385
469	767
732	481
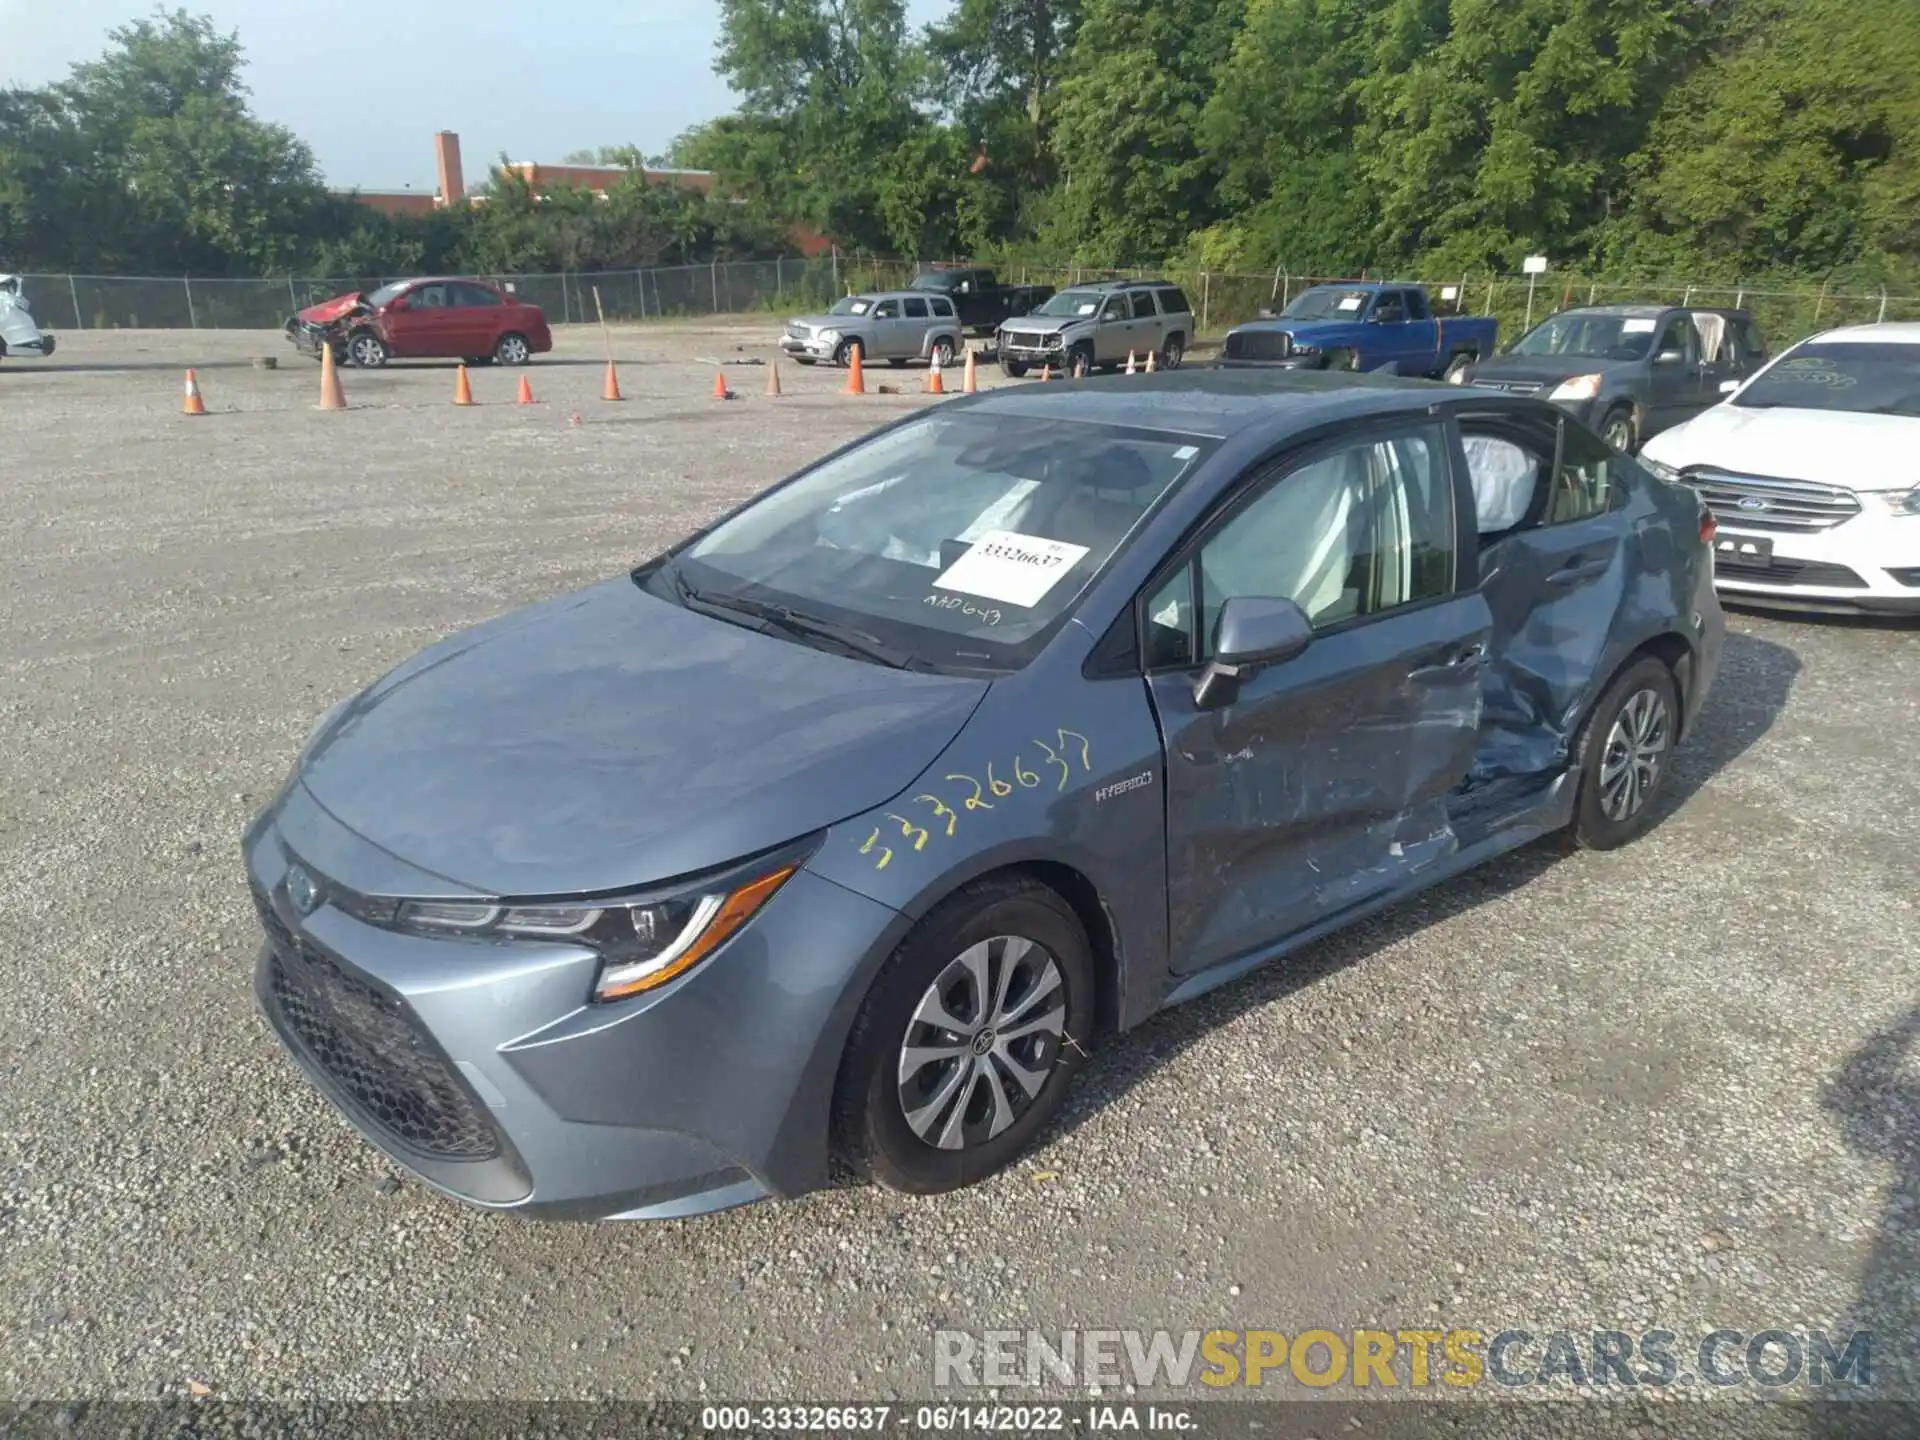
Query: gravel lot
1673	1086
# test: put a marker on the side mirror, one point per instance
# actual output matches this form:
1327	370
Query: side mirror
1727	387
1670	357
1254	632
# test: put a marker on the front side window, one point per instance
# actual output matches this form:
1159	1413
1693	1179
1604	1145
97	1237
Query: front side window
1868	379
887	310
961	538
1390	309
1356	531
1590	335
1678	335
428	297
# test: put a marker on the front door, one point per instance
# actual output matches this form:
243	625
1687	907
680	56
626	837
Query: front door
1673	387
886	331
422	327
1324	783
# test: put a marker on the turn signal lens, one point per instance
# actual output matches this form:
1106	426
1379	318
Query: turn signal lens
1709	527
715	918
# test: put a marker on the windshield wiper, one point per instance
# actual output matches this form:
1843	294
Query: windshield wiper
793	622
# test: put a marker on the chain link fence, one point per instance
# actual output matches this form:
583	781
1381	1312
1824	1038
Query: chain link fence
1220	298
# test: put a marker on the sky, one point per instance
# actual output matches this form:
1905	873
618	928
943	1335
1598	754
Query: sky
366	83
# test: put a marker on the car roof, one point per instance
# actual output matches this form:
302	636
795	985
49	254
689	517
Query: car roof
1891	332
1124	285
1219	403
887	295
1637	311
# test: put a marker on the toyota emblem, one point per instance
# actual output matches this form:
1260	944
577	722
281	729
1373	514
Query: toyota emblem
302	890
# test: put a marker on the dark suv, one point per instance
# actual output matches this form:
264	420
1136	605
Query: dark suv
1097	326
1630	371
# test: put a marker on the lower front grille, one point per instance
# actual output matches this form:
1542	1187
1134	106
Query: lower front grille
371	1047
1258	345
1025	340
1788	572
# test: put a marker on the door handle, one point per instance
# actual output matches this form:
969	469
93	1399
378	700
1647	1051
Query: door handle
1577	569
1454	662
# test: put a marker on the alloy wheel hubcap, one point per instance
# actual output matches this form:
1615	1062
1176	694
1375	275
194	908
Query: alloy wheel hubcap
1636	750
513	351
366	352
982	1042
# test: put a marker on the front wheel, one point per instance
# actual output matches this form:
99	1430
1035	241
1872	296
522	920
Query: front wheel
1341	360
1080	364
1624	750
367	350
966	1044
1014	368
1618	429
843	357
513	350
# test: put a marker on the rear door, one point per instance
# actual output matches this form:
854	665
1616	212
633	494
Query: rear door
1324	783
1149	326
1553	568
475	316
913	330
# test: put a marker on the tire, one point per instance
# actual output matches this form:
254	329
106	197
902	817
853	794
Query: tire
803	360
941	353
1638	716
963	1112
479	360
843	356
1174	352
897	363
1617	428
1014	368
1344	360
513	349
1080	363
1457	368
366	350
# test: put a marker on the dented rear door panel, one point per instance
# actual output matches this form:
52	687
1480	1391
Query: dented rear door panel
1324	785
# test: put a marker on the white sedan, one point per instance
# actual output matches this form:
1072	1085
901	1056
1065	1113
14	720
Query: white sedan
1812	469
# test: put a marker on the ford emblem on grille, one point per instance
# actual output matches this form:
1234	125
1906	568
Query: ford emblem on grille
302	890
1754	502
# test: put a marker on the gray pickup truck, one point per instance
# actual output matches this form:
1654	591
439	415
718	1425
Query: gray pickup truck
891	325
1629	371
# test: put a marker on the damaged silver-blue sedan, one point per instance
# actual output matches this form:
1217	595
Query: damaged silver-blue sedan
849	825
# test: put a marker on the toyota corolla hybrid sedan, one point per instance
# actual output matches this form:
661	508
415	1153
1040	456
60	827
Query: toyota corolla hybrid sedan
850	824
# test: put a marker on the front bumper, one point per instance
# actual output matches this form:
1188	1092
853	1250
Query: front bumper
42	346
308	338
483	1069
1869	565
808	345
1030	354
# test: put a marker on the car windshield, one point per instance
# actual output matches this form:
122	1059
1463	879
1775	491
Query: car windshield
961	540
1326	302
388	292
1079	303
1589	335
936	281
1867	379
851	305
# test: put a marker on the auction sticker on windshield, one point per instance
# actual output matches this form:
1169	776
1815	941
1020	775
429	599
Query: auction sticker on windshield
1636	327
1008	566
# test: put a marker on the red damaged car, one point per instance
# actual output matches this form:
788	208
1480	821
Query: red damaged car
419	319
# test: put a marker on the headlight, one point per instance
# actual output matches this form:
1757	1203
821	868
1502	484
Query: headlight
1898	502
1662	472
641	946
831	337
1580	387
1298	347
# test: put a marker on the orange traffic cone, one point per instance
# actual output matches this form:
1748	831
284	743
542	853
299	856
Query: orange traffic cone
611	390
1046	371
856	377
1150	362
720	391
935	384
970	378
462	387
193	404
773	379
1129	362
526	392
331	396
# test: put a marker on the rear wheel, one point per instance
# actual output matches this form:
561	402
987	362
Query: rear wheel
513	349
366	349
1618	429
965	1045
1624	750
1173	353
1457	369
942	353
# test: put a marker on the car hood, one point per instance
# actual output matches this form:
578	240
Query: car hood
1047	324
610	739
330	310
1545	369
1832	447
828	322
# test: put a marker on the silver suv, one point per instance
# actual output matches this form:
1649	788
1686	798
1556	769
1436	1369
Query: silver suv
1095	327
891	325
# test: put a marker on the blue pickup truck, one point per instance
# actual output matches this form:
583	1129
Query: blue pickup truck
1388	329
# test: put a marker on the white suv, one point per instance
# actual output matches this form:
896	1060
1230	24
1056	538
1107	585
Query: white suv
1812	470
